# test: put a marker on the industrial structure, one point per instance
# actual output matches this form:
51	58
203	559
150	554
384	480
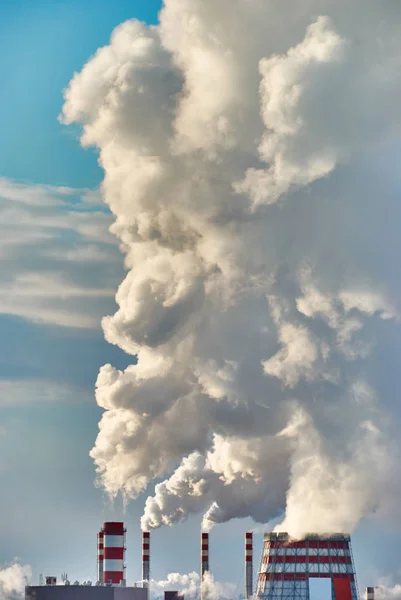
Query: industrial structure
370	593
204	554
145	559
286	567
100	548
204	566
173	595
248	565
83	592
114	553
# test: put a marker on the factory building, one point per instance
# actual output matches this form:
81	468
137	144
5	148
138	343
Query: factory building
84	592
286	567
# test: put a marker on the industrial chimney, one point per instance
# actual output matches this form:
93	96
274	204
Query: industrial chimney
113	553
146	559
100	556
204	559
370	593
204	554
248	565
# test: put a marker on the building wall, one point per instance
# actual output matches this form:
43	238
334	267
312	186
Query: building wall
82	592
170	595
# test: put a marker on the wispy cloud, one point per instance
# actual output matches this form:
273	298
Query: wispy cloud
60	264
35	391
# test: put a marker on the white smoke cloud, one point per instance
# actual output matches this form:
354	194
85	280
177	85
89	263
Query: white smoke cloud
339	491
388	592
13	579
189	585
246	160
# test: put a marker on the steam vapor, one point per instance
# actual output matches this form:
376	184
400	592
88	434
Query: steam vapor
249	162
13	578
386	592
189	586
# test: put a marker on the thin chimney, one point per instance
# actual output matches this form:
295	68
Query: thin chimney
146	559
248	565
204	553
370	593
100	536
204	558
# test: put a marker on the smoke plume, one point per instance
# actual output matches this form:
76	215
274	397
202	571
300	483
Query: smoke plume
13	579
189	585
250	162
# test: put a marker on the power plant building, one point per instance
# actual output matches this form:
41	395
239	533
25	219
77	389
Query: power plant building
83	592
286	568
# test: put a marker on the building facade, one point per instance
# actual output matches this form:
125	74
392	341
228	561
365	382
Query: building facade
83	592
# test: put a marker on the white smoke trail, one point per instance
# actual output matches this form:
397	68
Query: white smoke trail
248	162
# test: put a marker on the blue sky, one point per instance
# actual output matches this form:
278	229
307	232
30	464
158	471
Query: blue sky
49	507
42	45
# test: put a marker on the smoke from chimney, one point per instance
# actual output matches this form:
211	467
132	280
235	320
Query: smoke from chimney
248	162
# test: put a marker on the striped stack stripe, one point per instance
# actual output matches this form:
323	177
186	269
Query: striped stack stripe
113	553
248	565
286	560
145	558
204	553
100	556
204	561
370	593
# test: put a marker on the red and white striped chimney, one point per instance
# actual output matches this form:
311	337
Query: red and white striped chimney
100	556
145	558
204	559
370	593
113	553
204	554
248	565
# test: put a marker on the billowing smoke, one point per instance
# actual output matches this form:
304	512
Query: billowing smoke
384	592
189	586
250	156
13	579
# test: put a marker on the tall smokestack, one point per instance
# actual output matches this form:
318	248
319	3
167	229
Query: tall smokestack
204	556
113	553
248	565
370	593
145	559
100	556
